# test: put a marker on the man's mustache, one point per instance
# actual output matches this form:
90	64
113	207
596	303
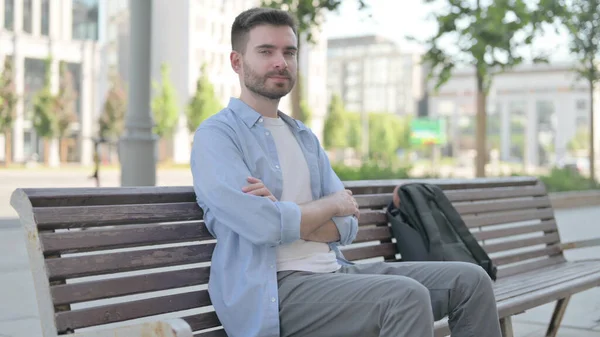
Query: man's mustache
283	73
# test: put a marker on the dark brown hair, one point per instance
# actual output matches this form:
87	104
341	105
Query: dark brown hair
253	17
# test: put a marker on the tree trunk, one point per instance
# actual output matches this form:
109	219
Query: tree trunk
7	148
296	93
46	152
63	150
592	155
480	130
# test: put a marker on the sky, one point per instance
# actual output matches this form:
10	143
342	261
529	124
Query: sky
396	19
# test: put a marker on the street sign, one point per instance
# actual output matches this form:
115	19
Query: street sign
428	131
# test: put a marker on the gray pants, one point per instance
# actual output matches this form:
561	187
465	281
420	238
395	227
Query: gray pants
388	300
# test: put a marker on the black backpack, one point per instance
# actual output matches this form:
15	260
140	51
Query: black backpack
428	228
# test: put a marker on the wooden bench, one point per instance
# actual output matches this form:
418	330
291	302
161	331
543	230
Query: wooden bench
135	261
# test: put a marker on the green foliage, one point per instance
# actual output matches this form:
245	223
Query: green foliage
305	112
486	36
308	13
203	104
8	96
111	121
370	171
387	134
581	141
334	130
45	121
354	131
582	20
65	100
560	180
164	104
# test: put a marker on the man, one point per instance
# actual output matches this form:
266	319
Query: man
279	213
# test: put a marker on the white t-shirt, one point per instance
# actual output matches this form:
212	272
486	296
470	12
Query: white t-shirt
300	255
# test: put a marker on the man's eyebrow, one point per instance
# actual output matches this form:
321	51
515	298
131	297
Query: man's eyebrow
270	46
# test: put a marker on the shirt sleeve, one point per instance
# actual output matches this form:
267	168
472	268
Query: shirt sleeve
346	225
219	173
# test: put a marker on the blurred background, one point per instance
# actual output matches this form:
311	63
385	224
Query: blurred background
391	88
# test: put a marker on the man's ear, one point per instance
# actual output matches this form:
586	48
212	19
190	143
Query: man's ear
236	61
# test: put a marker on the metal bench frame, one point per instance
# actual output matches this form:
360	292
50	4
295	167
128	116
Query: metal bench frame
135	261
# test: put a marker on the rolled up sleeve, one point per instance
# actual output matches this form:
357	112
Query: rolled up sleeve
331	183
219	173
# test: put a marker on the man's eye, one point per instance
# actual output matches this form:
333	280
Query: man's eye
266	52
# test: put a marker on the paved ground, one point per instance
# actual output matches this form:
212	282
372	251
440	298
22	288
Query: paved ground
18	310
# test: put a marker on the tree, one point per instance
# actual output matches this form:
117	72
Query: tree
582	19
164	104
45	121
8	106
65	108
309	15
334	130
111	121
486	38
203	104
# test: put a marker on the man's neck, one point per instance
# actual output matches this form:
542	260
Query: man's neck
264	106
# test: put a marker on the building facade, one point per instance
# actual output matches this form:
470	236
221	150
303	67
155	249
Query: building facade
373	74
534	112
187	34
65	31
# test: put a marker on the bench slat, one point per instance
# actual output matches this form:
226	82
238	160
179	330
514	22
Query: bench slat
504	272
130	285
502	205
515	244
388	185
373	234
508	217
214	333
372	217
120	312
548	251
60	197
544	226
203	321
86	216
79	266
382	200
360	253
123	237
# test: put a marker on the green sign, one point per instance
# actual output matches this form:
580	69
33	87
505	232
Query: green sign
428	131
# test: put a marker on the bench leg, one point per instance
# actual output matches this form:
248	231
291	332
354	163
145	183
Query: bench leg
506	327
557	316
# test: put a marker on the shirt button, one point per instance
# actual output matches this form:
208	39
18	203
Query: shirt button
276	166
260	120
267	133
273	299
271	266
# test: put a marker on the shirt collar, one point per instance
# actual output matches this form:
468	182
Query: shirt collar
251	116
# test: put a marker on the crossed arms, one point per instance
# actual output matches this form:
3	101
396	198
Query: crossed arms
220	176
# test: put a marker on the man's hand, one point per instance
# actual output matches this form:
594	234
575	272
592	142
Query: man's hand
257	188
344	203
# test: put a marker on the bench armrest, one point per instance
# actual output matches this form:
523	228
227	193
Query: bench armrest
168	328
580	244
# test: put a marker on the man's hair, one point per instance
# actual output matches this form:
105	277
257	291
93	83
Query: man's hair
248	19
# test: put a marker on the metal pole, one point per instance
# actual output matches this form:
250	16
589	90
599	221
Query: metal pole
137	150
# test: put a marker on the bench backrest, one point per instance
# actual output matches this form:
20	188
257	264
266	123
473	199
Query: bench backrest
108	255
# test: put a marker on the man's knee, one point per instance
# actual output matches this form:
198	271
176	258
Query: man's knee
404	290
472	276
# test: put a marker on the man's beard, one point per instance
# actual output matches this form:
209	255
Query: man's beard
258	84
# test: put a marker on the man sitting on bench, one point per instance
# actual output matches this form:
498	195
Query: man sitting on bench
279	213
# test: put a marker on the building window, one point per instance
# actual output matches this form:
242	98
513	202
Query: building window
27	14
581	104
85	19
9	14
45	17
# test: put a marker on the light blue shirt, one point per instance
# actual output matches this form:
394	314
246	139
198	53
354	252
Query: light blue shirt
229	147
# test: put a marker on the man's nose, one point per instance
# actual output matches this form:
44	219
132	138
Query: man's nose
280	62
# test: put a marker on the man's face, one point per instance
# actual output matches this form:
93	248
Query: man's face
269	64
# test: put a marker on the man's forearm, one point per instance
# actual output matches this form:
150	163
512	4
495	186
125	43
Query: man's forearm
316	214
327	232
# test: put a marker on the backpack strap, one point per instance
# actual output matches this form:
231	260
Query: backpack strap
463	231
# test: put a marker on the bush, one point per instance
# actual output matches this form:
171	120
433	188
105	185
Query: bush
370	171
562	180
